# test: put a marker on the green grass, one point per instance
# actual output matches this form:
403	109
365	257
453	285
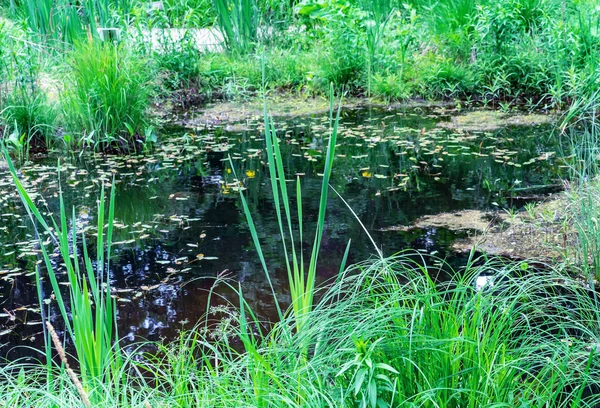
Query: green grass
24	108
106	97
30	119
383	335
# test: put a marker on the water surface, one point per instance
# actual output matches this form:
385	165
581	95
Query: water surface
180	224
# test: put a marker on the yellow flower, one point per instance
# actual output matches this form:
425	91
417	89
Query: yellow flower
250	173
366	174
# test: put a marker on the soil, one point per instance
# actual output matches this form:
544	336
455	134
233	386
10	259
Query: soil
542	237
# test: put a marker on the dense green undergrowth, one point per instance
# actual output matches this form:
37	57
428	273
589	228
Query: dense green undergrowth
535	53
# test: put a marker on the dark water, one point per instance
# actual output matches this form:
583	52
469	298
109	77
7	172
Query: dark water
180	221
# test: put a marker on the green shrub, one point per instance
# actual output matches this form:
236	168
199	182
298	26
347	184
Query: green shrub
391	87
445	78
226	75
178	60
184	13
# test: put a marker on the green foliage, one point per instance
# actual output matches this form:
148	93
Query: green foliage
225	75
106	96
383	335
391	87
301	279
24	108
184	14
583	193
178	61
31	119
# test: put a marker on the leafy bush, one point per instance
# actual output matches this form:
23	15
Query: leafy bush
183	13
178	60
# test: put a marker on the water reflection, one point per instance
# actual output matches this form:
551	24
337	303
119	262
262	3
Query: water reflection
180	224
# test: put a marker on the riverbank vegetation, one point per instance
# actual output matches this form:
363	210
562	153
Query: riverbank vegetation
539	54
406	330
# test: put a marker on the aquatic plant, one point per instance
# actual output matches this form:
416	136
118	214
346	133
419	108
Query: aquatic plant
301	279
88	315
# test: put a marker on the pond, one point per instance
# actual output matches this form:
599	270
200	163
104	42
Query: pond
180	223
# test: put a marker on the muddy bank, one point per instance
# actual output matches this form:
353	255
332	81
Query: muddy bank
541	233
233	114
487	120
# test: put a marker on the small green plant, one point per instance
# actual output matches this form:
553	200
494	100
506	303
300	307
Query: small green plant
531	210
512	213
372	383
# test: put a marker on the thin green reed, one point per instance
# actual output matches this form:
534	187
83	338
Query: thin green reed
379	12
238	22
89	313
301	277
67	21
